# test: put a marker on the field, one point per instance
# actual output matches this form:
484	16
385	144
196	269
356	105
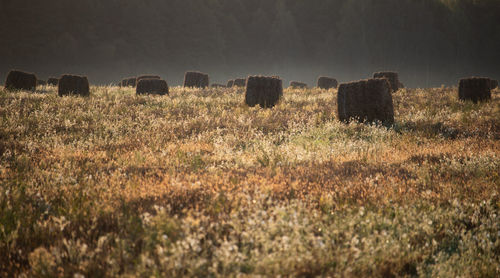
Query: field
198	184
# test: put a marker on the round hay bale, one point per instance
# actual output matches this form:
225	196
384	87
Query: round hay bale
366	100
129	82
475	89
239	82
216	85
327	83
264	91
73	85
195	80
152	86
53	81
40	82
298	85
494	84
230	83
139	78
393	78
19	80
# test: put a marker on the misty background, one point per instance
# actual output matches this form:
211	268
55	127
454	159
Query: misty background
429	42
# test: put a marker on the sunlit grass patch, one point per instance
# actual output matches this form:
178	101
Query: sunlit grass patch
198	184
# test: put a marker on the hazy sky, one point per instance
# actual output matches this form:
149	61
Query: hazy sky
428	42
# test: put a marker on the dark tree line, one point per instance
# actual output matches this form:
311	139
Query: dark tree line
429	42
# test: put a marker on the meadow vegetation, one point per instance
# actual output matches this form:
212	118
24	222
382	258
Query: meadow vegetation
198	184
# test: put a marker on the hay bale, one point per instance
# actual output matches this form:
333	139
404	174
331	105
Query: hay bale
129	82
239	82
152	86
393	78
264	91
216	85
53	81
19	80
139	78
366	100
298	85
230	83
195	80
494	84
40	82
73	85
327	83
475	89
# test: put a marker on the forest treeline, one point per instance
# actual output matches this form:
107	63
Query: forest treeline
429	42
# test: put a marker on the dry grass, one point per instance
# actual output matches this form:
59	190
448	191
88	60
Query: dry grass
198	184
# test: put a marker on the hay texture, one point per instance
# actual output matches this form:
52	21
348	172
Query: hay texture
19	80
475	89
393	78
195	80
494	84
139	78
263	91
73	85
327	83
53	81
216	85
298	85
240	82
366	100
152	86
129	82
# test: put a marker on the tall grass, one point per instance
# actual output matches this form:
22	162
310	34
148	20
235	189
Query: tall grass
198	184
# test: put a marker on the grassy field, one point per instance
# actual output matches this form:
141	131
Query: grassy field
198	184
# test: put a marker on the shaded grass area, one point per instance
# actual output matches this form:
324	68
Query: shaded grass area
197	184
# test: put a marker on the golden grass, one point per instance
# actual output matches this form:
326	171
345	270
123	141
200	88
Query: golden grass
198	184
